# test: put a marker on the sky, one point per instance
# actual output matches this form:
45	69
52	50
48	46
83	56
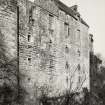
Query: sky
93	12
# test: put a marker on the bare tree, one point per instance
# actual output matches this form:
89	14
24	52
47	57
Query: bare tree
8	74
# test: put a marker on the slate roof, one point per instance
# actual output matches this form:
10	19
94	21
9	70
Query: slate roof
66	9
70	11
83	22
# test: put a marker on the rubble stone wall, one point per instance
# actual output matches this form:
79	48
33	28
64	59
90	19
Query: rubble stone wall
53	48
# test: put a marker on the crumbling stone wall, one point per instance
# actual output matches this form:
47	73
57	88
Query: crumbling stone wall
53	48
37	50
52	52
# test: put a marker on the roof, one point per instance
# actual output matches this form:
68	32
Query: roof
83	22
65	8
72	11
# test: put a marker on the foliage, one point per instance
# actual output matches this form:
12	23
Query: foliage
8	75
67	99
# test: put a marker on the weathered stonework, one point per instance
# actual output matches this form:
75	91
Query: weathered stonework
53	48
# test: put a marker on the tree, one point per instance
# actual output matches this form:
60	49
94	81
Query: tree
8	74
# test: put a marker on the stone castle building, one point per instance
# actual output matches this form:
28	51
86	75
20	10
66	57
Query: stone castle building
51	42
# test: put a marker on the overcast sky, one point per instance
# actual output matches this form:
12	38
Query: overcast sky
93	12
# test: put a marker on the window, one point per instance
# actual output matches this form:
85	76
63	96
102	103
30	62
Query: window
36	11
51	25
79	67
78	32
66	30
79	53
66	49
49	44
30	14
29	38
79	79
51	63
67	80
29	79
51	22
29	60
31	19
67	65
51	32
78	36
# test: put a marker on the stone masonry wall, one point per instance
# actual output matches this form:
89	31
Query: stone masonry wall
37	50
53	55
53	48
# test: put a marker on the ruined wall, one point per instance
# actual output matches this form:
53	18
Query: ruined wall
37	51
69	54
53	47
53	50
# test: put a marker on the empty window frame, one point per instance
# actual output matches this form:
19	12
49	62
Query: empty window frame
29	38
78	35
51	22
49	45
79	52
66	65
29	61
66	30
79	67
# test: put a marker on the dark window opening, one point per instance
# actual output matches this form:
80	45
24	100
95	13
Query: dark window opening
51	63
79	53
66	23
67	65
79	67
50	41
49	44
67	80
79	79
29	79
29	38
31	20
29	60
68	31
29	46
